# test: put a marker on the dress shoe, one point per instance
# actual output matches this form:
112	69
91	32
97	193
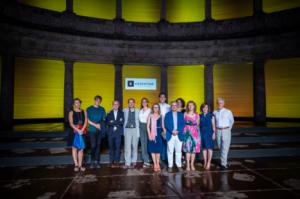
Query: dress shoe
92	165
97	165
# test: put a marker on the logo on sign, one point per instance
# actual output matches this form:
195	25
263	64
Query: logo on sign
130	83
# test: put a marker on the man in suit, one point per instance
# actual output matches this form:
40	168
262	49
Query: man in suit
174	124
115	121
131	134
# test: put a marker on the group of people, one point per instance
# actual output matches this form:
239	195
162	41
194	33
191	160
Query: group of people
162	131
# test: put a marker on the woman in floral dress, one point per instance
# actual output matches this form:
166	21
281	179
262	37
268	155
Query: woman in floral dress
192	140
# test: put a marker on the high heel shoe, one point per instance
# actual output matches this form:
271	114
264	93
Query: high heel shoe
82	169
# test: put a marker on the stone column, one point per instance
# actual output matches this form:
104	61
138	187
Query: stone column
69	6
209	85
208	10
118	10
119	83
259	92
163	10
68	89
7	92
257	7
164	80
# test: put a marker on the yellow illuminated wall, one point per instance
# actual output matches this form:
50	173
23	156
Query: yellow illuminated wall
186	82
92	79
39	88
278	5
134	71
185	10
56	5
141	11
234	82
105	9
228	9
283	88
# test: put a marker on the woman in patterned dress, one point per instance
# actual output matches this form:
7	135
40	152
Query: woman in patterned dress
192	141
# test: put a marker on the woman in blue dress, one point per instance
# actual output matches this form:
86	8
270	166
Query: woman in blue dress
155	129
208	135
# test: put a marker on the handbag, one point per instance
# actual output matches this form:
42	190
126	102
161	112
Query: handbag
78	141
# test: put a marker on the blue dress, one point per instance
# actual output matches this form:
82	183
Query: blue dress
156	146
206	131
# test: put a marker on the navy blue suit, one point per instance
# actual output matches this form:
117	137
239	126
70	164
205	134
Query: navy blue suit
170	126
115	132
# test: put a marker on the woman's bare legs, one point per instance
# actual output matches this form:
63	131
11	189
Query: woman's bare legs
75	157
193	155
210	152
80	158
204	153
188	157
154	161
157	161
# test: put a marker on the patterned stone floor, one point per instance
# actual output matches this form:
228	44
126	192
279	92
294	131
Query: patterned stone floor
246	178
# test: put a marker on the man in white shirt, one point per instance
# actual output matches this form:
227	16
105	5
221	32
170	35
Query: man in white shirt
224	123
164	107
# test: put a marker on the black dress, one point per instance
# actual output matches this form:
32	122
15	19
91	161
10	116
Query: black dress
78	119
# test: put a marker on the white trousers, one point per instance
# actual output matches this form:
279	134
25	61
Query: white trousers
223	141
174	144
131	141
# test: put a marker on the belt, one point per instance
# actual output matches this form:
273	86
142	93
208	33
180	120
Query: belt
190	124
222	128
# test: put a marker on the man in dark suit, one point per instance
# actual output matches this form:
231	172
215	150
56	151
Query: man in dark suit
115	122
174	124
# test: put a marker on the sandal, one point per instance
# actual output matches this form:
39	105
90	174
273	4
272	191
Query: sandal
158	168
76	168
82	169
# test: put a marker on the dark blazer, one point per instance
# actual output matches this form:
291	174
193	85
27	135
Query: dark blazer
111	122
169	125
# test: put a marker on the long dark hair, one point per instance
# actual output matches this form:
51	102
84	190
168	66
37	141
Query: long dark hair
182	102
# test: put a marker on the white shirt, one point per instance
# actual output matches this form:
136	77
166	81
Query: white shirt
164	108
143	115
115	114
174	121
224	118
